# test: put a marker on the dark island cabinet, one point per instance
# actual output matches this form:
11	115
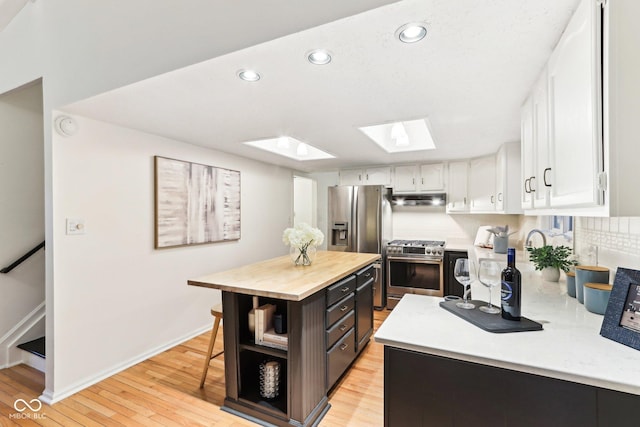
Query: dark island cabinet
325	332
364	306
427	390
451	285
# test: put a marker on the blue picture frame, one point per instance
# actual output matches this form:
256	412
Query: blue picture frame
622	319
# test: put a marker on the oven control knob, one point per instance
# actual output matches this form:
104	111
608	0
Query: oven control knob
427	250
439	251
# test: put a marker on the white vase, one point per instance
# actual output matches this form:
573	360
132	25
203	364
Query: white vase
551	274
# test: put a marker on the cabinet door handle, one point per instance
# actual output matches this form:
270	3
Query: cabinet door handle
531	189
464	201
492	201
526	188
343	347
413	181
343	327
422	180
367	177
499	197
344	308
345	289
544	177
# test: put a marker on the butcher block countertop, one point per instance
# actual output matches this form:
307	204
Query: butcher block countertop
279	278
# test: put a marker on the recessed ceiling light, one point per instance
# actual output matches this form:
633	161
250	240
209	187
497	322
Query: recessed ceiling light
319	57
290	147
411	32
249	75
413	135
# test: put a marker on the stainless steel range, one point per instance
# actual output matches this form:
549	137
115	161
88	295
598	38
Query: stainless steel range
414	267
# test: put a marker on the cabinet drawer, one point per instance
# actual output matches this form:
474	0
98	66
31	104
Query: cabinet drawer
340	328
365	274
335	312
339	290
340	357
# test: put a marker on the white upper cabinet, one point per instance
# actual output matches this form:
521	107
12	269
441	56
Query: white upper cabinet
575	99
457	187
508	188
368	176
419	179
482	184
541	184
404	179
431	177
536	168
528	158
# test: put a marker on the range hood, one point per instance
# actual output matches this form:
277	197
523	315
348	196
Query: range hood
431	199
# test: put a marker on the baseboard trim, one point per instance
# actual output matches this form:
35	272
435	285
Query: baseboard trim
53	396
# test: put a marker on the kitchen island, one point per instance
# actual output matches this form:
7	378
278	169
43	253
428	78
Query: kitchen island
328	308
566	374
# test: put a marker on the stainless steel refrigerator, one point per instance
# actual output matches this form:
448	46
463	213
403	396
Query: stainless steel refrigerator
360	221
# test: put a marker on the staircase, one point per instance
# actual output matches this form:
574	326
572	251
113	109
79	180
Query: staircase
33	353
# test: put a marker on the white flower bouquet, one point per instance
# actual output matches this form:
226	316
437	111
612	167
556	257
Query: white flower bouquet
302	237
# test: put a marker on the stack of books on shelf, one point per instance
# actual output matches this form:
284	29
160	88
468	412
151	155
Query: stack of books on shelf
264	332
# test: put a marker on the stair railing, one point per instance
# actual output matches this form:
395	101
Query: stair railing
22	259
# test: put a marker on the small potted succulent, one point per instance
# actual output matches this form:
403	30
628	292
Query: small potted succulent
550	260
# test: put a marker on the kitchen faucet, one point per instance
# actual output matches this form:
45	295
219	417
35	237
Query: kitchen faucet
527	242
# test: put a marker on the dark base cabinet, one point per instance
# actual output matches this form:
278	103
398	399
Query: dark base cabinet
349	321
302	395
427	390
325	333
451	285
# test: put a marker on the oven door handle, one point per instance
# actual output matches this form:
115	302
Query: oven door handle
415	260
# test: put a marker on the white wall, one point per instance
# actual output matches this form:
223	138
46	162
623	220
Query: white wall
424	222
324	180
21	203
304	201
118	300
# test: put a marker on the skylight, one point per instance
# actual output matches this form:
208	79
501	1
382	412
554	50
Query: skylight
413	135
290	147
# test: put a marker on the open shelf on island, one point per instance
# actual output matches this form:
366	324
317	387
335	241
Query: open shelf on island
250	379
275	352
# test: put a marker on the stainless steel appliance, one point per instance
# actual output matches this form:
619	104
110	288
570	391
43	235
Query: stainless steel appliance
414	267
360	221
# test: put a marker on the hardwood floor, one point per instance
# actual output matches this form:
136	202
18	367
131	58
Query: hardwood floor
164	391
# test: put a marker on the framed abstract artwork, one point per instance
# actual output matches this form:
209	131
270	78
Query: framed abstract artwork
195	203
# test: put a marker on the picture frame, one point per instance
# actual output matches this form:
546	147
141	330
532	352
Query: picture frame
622	318
194	203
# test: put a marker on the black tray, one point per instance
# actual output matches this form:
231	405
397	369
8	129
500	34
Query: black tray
490	322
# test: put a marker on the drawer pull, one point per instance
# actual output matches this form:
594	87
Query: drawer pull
344	308
343	327
344	346
345	289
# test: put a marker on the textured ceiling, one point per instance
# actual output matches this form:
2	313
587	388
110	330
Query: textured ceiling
469	76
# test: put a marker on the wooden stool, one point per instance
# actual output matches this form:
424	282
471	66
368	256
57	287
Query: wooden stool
216	312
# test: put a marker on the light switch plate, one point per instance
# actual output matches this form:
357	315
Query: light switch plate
75	226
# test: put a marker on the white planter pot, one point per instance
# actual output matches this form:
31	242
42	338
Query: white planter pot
551	274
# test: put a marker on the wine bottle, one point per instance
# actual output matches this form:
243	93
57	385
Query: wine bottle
511	288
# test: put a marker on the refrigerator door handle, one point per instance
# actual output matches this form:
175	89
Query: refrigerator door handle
354	221
379	222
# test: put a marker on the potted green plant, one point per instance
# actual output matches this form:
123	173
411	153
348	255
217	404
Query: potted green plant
550	260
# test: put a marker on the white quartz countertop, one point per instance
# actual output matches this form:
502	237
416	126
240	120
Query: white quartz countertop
570	346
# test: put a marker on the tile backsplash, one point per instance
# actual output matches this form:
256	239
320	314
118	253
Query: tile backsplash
610	242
